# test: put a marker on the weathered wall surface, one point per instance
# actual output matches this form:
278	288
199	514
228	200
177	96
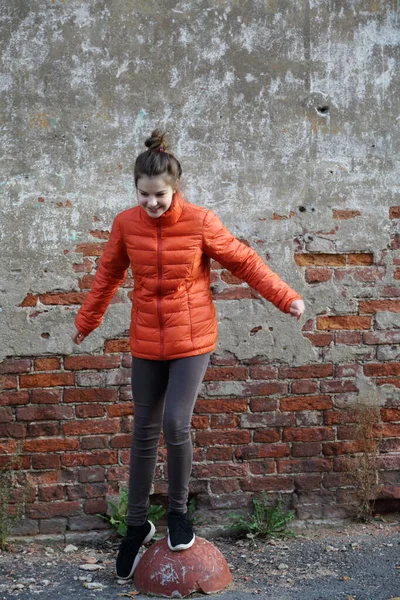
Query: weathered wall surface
285	117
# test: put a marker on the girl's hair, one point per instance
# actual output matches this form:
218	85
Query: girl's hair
158	159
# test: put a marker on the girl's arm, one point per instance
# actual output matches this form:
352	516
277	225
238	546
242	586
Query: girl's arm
244	262
111	271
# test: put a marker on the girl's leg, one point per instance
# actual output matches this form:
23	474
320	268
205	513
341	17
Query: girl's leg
185	378
149	384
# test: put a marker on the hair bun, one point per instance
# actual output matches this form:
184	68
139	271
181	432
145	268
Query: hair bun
157	141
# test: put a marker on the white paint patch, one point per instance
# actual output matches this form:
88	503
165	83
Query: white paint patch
166	574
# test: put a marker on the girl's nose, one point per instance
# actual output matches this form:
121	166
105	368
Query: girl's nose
151	202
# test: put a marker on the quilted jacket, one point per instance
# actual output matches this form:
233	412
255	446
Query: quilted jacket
172	314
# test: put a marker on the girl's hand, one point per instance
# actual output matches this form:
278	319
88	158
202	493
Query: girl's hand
297	308
77	336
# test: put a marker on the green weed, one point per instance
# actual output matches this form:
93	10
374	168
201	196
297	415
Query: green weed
268	520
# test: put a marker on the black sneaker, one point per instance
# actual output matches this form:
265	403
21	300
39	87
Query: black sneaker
128	554
180	532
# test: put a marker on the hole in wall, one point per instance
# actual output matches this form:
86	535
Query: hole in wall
302	208
323	110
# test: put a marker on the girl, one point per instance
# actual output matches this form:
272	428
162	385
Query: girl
168	243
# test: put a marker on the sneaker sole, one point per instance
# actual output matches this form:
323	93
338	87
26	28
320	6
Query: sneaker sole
180	546
148	537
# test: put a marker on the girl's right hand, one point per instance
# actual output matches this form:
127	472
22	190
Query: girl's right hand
77	336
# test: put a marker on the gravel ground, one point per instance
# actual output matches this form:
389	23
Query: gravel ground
352	562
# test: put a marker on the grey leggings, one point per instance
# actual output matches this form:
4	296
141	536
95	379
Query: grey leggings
164	394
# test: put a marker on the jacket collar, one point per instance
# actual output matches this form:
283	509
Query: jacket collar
171	216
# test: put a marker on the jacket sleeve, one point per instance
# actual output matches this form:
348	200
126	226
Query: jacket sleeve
111	271
244	262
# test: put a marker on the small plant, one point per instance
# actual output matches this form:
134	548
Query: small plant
118	513
364	466
268	520
8	520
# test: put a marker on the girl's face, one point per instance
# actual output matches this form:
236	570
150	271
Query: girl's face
154	195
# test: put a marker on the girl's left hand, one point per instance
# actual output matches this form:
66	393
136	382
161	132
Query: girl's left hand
297	308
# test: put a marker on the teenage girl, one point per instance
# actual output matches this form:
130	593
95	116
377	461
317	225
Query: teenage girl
168	243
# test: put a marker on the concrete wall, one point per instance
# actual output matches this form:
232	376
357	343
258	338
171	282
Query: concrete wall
285	117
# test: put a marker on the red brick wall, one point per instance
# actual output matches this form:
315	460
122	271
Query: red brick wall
286	429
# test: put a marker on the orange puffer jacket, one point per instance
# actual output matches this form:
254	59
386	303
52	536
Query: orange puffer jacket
173	314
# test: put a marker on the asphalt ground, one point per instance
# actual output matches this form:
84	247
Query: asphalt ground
348	562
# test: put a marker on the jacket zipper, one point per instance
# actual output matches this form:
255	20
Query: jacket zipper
159	270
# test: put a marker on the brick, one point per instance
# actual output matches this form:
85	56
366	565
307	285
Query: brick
347	322
219	470
339	448
348	338
266	435
262	451
43	429
50	445
226	374
90	249
49	493
309	325
306	449
15	462
360	258
395	381
305	465
265	389
319	339
13	398
46	461
349	370
308	434
8	382
373	306
5	415
84	411
230	279
263	404
262	467
338	386
46	380
333	480
390	291
113	346
307	482
47	510
123	440
94	442
388	463
390	430
268	419
12	430
211	438
381	337
394	212
390	414
117	473
62	298
263	372
272	483
82	459
94	506
80	362
47	364
226	358
45	396
306	403
75	492
219	422
308	418
303	386
338	417
53	526
225	486
8	446
360	274
220	454
85	282
44	413
90	427
218	405
29	300
320	260
345	214
118	377
119	410
91	379
306	371
90	395
318	275
381	370
11	366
